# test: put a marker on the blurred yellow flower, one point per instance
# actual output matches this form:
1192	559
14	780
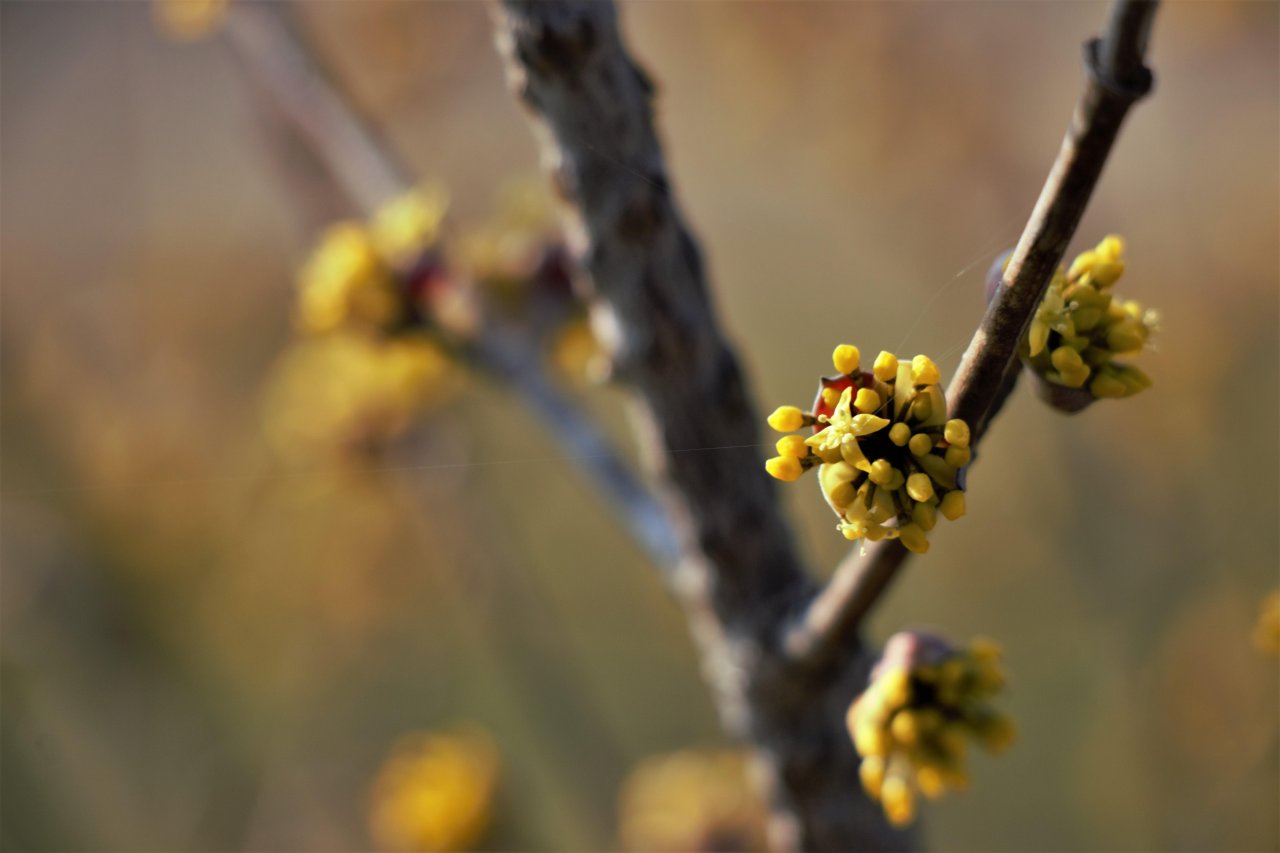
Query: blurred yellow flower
575	352
188	20
1266	631
406	226
435	791
345	283
912	724
346	391
691	800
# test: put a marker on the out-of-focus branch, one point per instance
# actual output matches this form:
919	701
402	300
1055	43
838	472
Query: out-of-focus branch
1117	79
739	577
279	63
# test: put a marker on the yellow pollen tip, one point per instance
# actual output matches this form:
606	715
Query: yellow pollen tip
871	772
870	739
1066	360
920	487
920	444
785	468
952	505
896	687
867	400
914	538
1111	248
903	727
922	408
792	445
899	802
924	371
900	434
925	515
1105	385
786	419
881	472
846	359
958	457
1107	273
886	366
956	432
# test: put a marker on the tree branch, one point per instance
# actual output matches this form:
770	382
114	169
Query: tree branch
363	166
1116	80
739	577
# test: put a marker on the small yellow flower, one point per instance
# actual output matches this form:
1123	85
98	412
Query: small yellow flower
788	419
435	792
792	445
887	455
786	468
692	800
912	724
408	225
886	367
344	392
846	358
1080	327
345	283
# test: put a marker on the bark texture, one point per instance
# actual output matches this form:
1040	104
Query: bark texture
737	574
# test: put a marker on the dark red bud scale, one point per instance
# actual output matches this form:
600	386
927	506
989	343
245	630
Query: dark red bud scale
839	382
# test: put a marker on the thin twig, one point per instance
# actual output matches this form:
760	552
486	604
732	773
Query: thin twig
1117	79
364	166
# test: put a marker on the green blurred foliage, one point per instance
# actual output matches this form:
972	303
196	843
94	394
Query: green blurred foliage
205	650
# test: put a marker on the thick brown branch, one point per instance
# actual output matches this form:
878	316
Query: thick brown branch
1117	79
739	575
368	173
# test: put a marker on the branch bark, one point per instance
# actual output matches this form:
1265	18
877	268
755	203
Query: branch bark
739	577
361	164
1116	80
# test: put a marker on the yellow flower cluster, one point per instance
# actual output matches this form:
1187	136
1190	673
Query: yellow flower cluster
351	278
691	800
435	792
524	270
1080	327
367	362
350	392
888	458
1266	631
912	725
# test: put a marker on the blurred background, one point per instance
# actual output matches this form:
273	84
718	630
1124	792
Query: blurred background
207	647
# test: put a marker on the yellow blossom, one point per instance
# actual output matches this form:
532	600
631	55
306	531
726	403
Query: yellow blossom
912	725
692	800
785	468
887	455
344	283
787	419
846	358
435	792
406	226
345	391
1080	327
